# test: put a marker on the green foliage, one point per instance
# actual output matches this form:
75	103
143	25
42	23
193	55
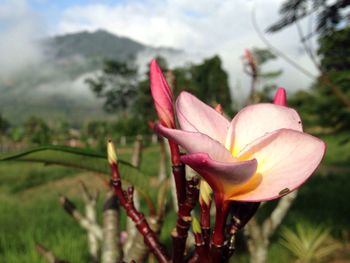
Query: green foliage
39	220
309	243
37	130
208	81
334	50
4	125
320	106
117	85
330	14
262	55
83	159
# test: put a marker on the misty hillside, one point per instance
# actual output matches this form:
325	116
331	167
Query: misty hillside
55	87
99	44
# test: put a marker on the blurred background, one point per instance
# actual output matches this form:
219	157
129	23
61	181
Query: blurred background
75	73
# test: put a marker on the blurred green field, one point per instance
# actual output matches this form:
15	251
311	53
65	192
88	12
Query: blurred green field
29	210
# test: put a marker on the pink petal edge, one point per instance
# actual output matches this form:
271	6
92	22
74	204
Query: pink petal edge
255	121
286	159
195	142
194	115
221	176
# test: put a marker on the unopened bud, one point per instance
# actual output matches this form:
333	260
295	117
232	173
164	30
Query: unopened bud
196	227
280	97
112	155
204	193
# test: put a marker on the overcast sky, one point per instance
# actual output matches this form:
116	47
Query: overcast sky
204	27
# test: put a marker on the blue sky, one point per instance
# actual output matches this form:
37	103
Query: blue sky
201	28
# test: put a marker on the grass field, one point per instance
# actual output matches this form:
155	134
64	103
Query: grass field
29	210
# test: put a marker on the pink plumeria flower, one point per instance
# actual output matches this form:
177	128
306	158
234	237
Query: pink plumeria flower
162	96
260	155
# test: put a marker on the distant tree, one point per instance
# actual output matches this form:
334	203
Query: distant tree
96	129
37	131
210	83
253	62
117	85
320	106
330	15
4	125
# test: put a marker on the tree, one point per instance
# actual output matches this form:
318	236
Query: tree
37	131
320	106
253	61
117	85
4	125
210	83
329	14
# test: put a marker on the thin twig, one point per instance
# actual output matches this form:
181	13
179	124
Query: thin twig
48	255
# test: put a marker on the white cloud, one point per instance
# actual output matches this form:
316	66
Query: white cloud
19	33
201	27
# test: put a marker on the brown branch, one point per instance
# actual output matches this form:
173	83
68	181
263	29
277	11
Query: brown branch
48	255
258	236
90	214
85	223
241	213
139	250
274	220
111	248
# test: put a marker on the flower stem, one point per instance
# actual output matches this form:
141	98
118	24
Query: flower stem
217	242
184	219
127	202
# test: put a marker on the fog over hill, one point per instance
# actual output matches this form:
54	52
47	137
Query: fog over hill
53	87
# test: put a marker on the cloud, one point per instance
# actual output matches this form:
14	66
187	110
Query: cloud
199	27
203	28
19	31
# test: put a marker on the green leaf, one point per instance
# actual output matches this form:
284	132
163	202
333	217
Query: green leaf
84	159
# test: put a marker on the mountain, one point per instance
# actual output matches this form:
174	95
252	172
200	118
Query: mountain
54	88
99	44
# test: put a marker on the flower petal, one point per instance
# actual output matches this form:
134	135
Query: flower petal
196	116
223	177
286	159
195	142
162	95
255	121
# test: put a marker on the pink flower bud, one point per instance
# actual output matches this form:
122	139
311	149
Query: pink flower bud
280	97
162	96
